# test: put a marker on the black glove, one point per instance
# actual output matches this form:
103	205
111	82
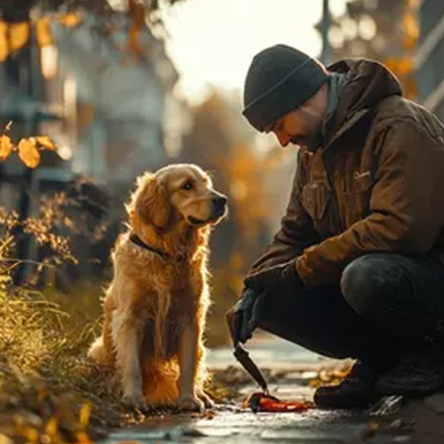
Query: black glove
243	318
280	277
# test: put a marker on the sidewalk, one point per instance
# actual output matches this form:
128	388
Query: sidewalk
289	368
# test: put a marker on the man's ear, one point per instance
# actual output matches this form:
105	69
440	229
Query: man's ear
151	202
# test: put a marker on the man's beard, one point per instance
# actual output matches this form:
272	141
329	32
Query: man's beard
314	125
312	141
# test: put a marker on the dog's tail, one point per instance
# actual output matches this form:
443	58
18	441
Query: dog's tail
160	383
97	351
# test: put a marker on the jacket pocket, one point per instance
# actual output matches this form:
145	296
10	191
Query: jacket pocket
315	198
356	201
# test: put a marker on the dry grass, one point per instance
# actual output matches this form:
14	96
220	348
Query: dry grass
49	390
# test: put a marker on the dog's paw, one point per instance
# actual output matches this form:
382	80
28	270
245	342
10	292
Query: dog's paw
191	404
208	402
135	402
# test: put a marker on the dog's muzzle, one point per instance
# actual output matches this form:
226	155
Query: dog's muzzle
218	210
219	205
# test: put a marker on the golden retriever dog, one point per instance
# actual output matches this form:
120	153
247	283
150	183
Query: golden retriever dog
156	304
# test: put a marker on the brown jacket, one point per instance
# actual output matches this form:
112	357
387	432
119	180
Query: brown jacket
377	184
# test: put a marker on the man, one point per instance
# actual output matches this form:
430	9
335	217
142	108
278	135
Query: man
357	268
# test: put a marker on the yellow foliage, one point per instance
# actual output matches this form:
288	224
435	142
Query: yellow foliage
70	20
46	142
400	66
28	148
398	31
43	32
136	11
6	147
52	427
28	152
84	415
13	36
83	438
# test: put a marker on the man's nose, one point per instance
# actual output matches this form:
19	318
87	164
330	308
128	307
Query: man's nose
283	139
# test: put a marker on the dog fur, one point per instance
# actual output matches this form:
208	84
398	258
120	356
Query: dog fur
156	304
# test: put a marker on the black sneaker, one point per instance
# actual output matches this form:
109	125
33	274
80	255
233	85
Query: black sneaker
357	390
420	373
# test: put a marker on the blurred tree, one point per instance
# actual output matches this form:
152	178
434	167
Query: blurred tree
223	144
21	8
219	146
24	29
16	19
18	10
379	29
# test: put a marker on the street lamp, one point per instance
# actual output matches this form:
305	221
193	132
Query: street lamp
325	26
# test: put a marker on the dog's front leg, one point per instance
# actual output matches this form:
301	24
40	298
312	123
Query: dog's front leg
127	339
188	348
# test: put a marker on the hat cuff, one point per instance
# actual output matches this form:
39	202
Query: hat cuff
289	94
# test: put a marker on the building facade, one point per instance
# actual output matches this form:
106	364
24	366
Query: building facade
111	111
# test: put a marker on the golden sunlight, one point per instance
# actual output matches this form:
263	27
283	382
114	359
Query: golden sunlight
212	41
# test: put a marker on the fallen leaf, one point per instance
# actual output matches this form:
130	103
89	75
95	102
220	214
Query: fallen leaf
46	142
28	152
83	438
370	430
52	426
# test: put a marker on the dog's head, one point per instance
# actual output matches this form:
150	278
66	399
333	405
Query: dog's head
180	191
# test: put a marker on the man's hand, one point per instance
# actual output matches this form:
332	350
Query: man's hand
280	277
243	318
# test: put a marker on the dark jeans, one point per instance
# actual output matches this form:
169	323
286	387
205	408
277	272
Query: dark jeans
386	303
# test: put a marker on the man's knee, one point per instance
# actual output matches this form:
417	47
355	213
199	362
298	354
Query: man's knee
371	281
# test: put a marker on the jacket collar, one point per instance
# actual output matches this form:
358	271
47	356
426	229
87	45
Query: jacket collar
366	84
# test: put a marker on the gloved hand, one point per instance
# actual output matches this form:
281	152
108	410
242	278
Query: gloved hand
243	318
280	277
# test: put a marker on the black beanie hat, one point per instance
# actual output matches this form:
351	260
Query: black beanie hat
279	80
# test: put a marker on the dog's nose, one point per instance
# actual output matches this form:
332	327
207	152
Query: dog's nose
220	202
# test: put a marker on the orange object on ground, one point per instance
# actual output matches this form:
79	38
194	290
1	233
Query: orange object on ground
263	402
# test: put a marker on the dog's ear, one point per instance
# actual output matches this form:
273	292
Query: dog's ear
151	202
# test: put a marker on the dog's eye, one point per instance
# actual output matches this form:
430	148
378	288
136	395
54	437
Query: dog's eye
187	186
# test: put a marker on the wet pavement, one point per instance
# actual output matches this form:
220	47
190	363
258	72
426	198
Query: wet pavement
289	368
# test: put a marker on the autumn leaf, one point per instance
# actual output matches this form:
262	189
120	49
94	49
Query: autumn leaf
46	142
52	427
83	438
6	146
4	43
18	34
70	20
13	36
84	415
28	152
43	32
